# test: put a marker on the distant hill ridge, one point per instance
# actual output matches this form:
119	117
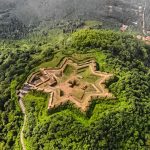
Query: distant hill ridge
30	12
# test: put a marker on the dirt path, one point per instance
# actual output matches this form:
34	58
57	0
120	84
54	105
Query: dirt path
25	118
142	13
143	17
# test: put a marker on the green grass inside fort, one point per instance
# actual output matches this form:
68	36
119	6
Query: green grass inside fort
69	70
87	75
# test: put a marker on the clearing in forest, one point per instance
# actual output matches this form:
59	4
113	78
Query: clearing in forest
71	81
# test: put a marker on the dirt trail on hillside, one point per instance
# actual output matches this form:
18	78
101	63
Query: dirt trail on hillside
25	118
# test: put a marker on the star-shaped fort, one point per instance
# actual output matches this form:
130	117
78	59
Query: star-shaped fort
78	83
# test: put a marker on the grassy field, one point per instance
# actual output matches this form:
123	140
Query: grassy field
69	70
87	75
54	62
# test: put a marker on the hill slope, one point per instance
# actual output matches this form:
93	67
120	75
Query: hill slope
17	15
119	124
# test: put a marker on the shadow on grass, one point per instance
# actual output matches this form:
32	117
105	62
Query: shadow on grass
86	115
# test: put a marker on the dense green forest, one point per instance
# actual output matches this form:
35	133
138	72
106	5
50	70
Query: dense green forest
123	123
17	59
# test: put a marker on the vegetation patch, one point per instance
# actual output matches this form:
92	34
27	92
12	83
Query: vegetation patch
87	75
69	70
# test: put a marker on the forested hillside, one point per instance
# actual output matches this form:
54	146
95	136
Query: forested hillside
123	123
17	17
17	59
